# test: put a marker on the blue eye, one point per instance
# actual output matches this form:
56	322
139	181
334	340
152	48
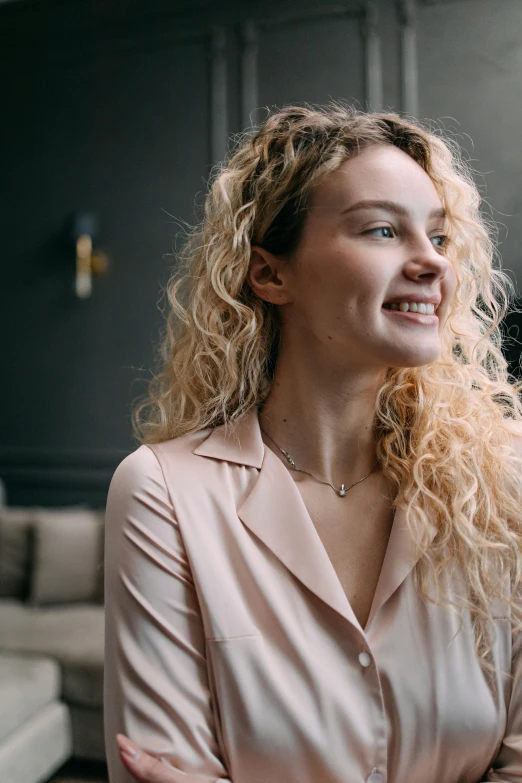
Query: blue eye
382	228
443	239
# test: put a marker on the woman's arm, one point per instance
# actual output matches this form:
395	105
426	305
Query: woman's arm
156	690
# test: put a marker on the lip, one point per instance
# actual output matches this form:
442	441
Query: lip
418	318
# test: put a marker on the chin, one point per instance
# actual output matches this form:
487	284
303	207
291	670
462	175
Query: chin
419	361
414	358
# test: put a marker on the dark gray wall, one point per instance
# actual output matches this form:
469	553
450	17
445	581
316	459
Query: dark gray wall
122	109
470	73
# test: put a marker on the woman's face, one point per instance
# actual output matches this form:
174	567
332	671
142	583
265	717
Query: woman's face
374	235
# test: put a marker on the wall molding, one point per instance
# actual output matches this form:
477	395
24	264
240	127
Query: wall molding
406	10
81	46
93	28
38	455
443	2
372	57
366	12
70	50
56	478
218	95
71	468
248	75
348	11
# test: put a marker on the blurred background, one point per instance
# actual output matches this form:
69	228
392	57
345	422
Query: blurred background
114	114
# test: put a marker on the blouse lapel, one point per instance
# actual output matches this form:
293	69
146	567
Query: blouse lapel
240	443
275	512
399	560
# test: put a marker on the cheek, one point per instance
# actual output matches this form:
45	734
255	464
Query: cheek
339	284
323	290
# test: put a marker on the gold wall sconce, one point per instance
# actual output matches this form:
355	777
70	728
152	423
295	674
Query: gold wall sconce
90	262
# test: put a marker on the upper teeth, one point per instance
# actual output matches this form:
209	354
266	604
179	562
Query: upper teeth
414	307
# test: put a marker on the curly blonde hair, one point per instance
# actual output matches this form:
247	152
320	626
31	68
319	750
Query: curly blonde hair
445	430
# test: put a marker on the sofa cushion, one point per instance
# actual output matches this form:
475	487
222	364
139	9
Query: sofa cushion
27	683
17	545
68	551
37	749
73	635
15	551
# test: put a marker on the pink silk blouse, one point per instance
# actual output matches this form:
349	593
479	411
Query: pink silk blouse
233	653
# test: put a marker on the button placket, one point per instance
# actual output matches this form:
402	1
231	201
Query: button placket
373	682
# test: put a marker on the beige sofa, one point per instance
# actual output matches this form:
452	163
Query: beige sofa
51	640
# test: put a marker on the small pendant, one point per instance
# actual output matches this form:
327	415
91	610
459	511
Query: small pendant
289	459
342	492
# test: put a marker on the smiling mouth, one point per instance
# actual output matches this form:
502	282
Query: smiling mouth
425	319
413	307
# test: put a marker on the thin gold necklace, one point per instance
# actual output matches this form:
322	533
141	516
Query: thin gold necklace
341	492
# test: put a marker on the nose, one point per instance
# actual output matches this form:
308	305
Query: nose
426	260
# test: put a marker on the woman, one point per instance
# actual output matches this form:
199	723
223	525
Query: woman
310	558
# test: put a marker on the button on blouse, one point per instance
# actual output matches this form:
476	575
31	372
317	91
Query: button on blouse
364	659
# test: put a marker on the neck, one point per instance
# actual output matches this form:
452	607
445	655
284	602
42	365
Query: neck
324	418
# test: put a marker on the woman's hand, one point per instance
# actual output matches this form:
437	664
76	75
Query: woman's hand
149	769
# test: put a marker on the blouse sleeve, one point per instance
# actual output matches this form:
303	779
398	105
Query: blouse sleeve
507	767
156	689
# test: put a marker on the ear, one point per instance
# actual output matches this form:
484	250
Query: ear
266	276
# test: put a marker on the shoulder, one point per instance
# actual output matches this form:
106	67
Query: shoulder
145	469
147	459
138	498
135	470
137	488
142	534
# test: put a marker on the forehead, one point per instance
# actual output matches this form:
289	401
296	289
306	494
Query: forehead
378	172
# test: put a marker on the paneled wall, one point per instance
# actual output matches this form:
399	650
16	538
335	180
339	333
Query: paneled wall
469	74
122	109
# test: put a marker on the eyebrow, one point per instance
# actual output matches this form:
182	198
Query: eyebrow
391	206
